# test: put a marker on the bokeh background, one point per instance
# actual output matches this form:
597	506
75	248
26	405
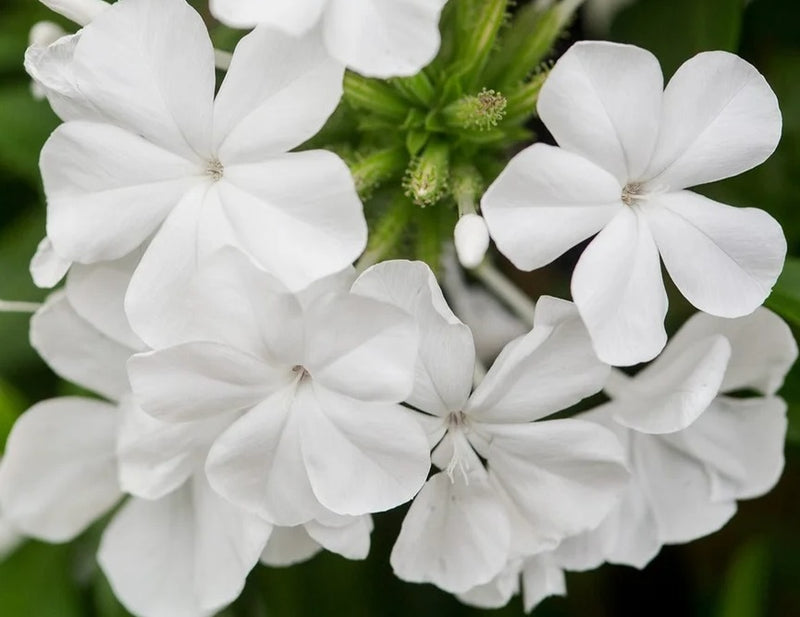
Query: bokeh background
751	568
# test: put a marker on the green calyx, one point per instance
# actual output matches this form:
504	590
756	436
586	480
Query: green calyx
430	143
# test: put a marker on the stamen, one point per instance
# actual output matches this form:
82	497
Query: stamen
301	372
631	193
215	169
462	451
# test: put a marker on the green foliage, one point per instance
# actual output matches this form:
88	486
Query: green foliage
37	583
745	588
678	29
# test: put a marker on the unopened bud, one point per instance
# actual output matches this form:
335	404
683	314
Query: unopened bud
472	240
82	12
44	33
372	170
426	180
481	112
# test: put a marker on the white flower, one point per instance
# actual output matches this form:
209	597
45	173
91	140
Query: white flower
543	480
685	483
317	376
379	38
627	152
147	152
182	551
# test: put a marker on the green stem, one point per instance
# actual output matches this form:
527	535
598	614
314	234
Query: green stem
506	290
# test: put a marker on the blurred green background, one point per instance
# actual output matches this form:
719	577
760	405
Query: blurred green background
749	569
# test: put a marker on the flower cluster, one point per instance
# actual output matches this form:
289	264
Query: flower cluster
259	398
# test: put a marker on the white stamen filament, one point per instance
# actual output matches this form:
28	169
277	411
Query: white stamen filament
462	451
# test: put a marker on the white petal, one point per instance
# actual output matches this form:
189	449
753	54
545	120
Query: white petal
361	457
58	473
161	294
544	371
455	535
349	539
446	357
563	475
149	66
741	251
155	457
298	215
546	201
298	86
47	268
603	101
78	351
619	292
720	118
497	592
672	392
361	348
383	38
196	381
107	189
739	442
81	12
678	489
627	536
97	293
185	555
541	578
53	71
227	299
763	348
288	546
293	16
257	463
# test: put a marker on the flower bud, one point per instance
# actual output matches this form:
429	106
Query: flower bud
43	33
375	96
372	170
472	240
481	112
81	12
426	180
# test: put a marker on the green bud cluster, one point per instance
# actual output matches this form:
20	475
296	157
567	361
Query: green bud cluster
427	145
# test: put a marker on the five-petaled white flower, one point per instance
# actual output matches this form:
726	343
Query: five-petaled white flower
379	38
318	375
627	151
149	155
692	454
542	481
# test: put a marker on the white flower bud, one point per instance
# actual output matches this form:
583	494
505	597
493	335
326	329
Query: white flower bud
472	240
43	33
81	12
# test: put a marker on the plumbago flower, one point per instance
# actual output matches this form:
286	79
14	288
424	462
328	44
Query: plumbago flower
693	453
316	377
541	481
148	155
379	38
627	151
174	549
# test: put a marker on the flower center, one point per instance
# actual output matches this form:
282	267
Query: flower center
301	372
215	169
462	454
631	192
